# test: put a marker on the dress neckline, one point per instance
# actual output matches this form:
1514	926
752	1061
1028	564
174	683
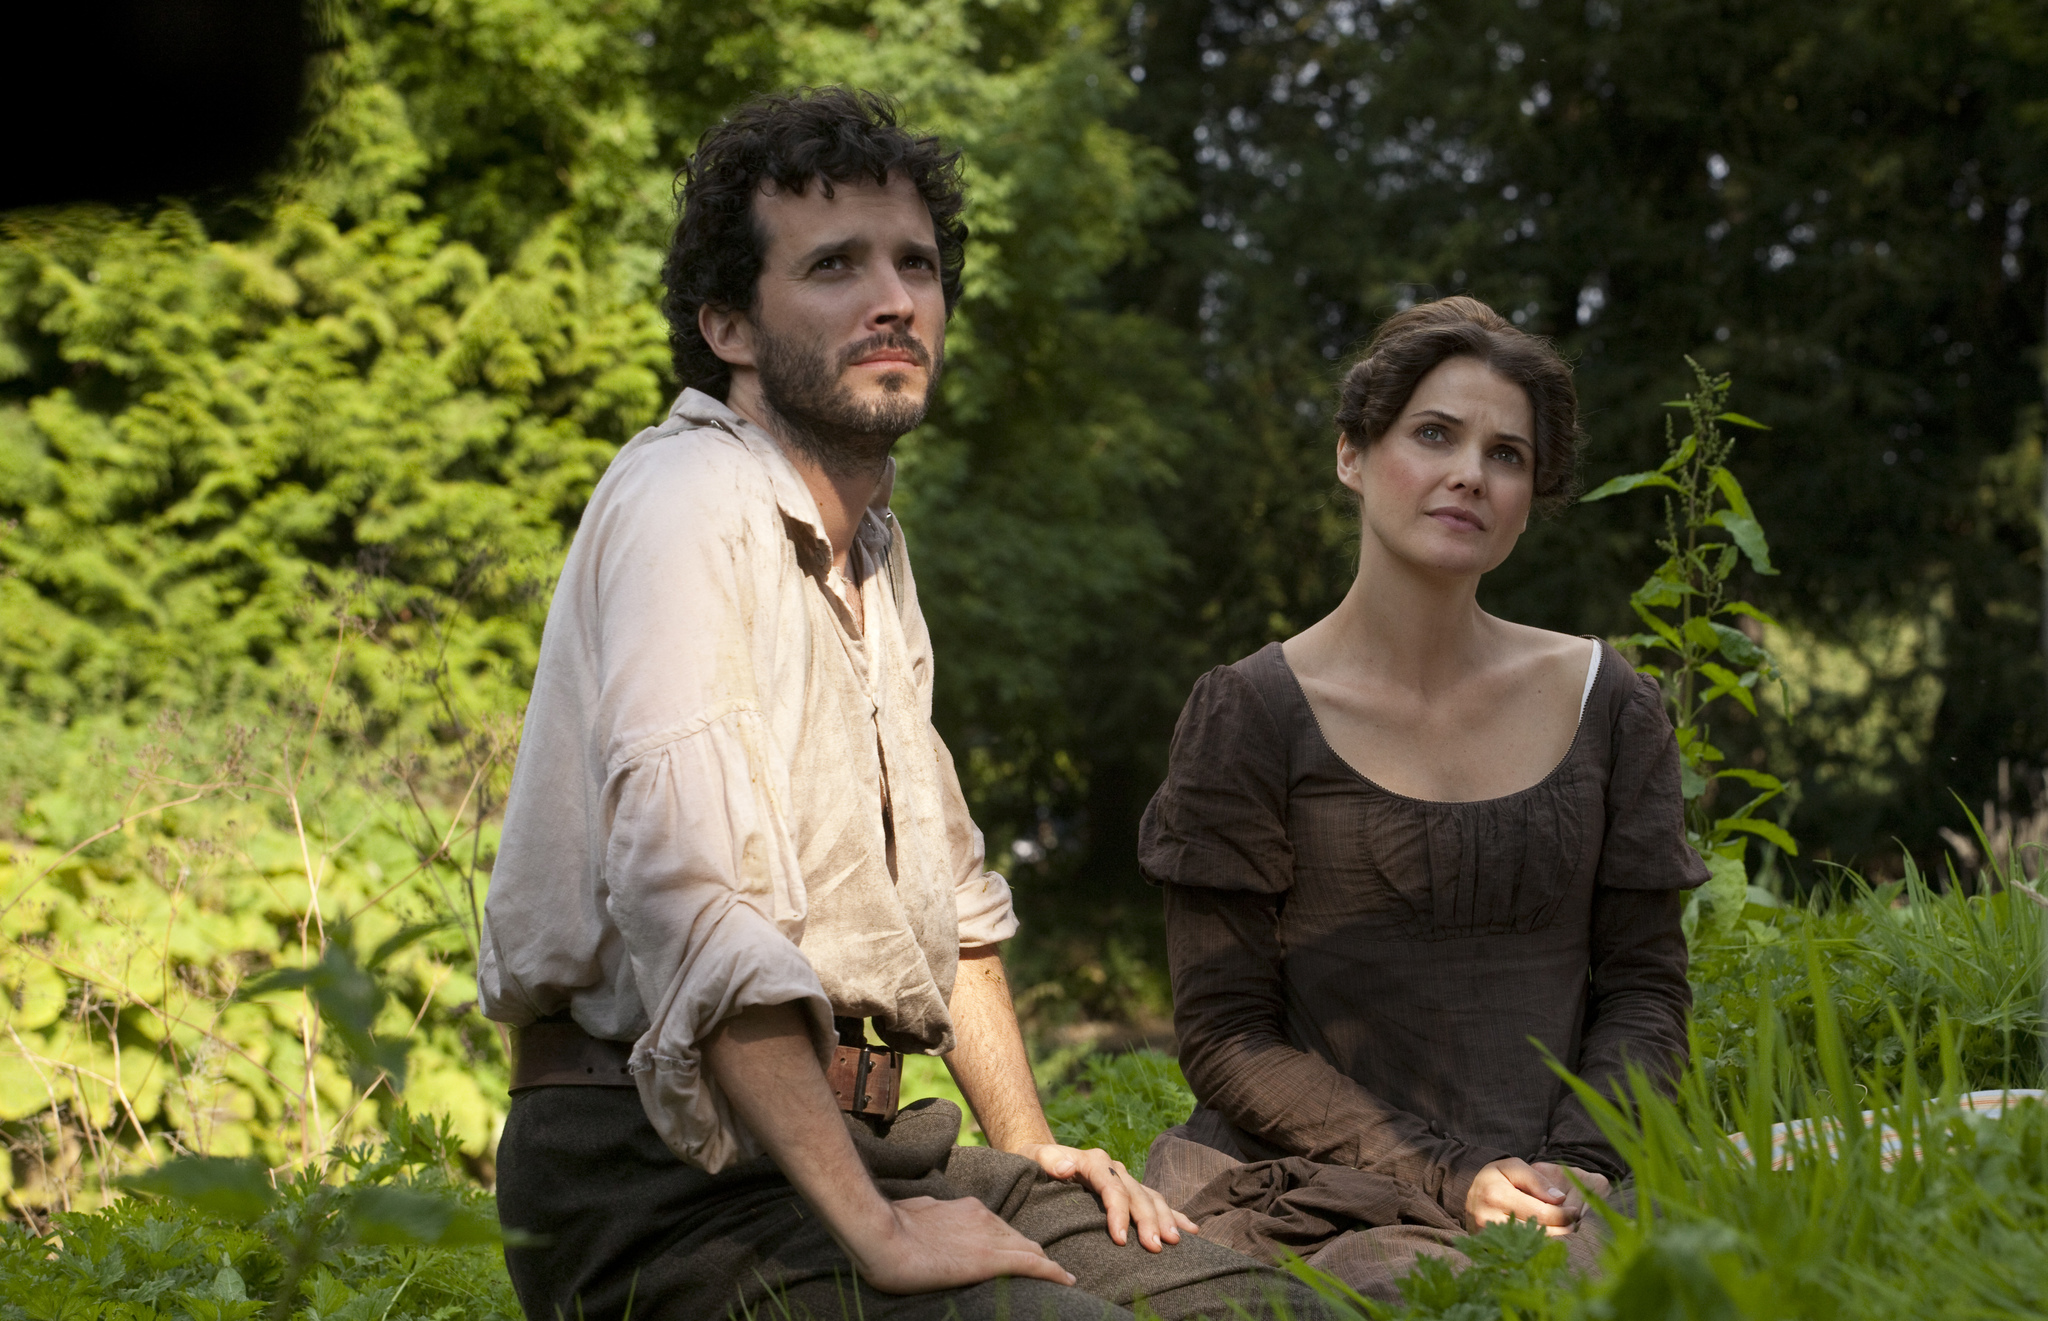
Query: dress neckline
1600	669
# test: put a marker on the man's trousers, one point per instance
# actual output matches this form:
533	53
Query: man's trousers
630	1230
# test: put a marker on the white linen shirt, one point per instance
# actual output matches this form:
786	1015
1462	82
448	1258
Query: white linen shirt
726	795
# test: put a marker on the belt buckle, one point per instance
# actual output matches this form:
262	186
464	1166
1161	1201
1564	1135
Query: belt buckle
866	1080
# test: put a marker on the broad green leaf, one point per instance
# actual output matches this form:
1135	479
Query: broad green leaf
1736	645
1661	591
1617	485
1727	682
405	936
1691	784
1754	779
1731	490
1749	535
1745	608
407	1216
1724	894
1665	633
1686	449
278	979
1769	830
1700	633
232	1189
1741	421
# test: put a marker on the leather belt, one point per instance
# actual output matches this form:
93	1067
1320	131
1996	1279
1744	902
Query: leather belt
865	1080
555	1052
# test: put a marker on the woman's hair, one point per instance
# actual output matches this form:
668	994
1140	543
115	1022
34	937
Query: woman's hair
1409	344
823	136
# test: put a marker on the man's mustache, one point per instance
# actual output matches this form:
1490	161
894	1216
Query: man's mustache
896	339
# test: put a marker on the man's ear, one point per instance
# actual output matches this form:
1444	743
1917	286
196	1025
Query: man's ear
729	332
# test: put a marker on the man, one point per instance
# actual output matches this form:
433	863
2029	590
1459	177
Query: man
733	834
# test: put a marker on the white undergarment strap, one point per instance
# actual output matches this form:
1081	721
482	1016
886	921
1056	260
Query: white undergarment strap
1592	673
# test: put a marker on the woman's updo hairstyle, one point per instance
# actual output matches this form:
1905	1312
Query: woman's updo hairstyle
1409	344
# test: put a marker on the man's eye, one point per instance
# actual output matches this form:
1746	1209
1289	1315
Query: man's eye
831	264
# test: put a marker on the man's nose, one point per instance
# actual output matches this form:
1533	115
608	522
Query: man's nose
891	303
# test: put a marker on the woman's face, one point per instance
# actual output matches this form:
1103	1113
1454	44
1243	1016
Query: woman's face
1449	486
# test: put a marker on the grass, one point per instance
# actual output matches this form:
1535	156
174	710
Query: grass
1892	1000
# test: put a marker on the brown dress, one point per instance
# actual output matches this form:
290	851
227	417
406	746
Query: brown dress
1360	977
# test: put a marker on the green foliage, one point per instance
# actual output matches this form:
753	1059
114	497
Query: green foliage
1940	984
1709	528
1120	1103
400	1240
1841	201
284	482
274	941
1955	1226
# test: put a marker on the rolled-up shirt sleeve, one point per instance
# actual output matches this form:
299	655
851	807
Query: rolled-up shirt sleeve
701	871
694	862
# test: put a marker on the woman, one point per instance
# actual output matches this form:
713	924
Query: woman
1410	843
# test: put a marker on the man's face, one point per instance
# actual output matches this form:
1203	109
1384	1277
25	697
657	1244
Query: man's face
847	335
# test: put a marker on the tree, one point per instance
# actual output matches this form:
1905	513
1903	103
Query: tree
1837	202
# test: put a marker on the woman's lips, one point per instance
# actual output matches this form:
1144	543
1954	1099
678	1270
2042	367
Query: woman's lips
1456	518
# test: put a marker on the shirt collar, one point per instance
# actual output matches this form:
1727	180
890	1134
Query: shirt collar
792	497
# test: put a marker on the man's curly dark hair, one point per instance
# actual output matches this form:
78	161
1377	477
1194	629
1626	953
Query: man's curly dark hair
826	135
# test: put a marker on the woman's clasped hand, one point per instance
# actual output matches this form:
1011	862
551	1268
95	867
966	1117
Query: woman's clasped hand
1549	1194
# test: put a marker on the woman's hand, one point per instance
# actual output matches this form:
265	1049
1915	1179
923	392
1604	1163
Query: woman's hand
1576	1182
1513	1189
1126	1201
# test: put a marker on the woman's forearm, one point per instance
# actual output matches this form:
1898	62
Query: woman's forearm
1636	1014
1229	1006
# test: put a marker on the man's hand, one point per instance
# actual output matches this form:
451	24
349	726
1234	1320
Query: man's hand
926	1244
1127	1201
763	1061
1513	1189
995	1076
1576	1182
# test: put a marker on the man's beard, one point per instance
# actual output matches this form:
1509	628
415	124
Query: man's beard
804	384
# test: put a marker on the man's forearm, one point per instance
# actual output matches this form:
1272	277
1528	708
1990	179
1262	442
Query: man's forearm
989	1061
762	1059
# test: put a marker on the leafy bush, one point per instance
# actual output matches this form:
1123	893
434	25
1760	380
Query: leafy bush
164	980
1939	982
1120	1103
406	1237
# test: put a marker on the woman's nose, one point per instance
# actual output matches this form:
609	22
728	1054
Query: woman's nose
1469	470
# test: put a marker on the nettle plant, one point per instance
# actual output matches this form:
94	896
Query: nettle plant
1694	626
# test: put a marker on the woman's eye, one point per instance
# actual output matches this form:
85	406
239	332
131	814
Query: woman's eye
1508	454
1431	433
